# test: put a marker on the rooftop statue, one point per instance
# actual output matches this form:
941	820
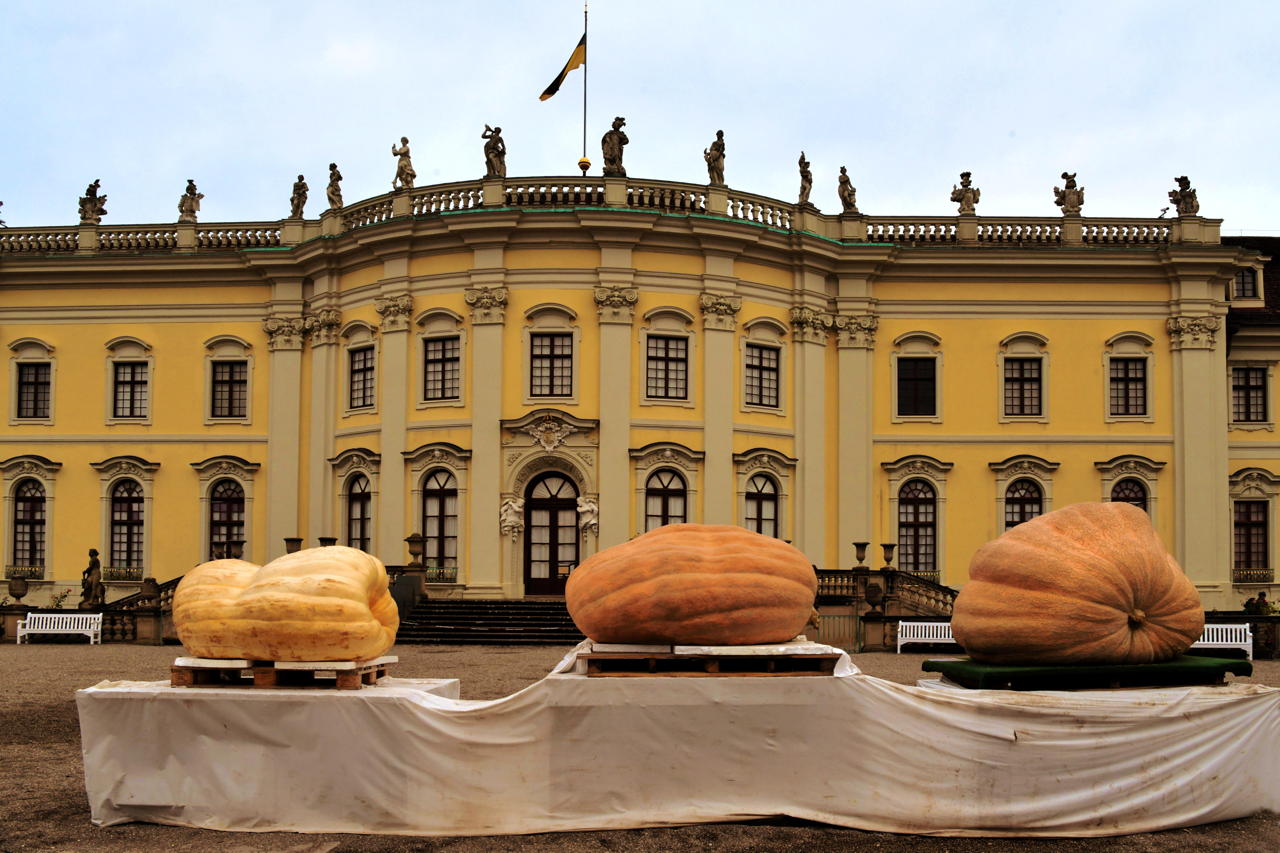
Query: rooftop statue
1070	199
848	192
2	225
1184	197
806	180
611	145
298	199
189	203
334	191
93	206
404	167
715	160
495	153
966	194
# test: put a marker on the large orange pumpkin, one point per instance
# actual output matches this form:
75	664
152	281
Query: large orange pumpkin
1087	584
693	584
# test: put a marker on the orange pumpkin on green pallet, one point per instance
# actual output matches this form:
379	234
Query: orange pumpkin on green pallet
1087	584
693	584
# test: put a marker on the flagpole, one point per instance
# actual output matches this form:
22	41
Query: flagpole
584	81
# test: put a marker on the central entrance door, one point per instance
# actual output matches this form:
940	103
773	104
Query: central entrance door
550	534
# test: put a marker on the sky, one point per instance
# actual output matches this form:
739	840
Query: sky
244	96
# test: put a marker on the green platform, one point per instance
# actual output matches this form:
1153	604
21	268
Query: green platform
1182	671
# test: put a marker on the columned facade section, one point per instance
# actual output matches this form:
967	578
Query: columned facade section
616	308
809	331
391	522
286	330
487	577
719	322
855	339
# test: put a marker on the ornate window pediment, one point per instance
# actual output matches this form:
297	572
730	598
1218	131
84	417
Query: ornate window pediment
356	459
225	466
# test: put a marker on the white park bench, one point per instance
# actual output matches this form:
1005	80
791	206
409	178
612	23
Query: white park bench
89	624
1226	637
1214	636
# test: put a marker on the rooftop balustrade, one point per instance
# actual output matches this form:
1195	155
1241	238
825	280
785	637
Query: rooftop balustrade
666	198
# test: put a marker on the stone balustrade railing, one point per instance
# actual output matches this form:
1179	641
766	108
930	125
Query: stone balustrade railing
553	192
666	197
137	238
760	210
911	229
662	197
446	197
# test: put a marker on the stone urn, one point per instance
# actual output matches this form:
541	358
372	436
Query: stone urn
17	588
149	593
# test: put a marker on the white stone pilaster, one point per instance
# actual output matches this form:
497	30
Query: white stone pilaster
390	520
810	335
856	488
616	307
719	322
324	385
492	559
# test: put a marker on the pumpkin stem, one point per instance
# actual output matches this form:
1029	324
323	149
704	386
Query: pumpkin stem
1137	619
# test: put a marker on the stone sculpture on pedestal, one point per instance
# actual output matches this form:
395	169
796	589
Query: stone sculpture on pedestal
715	160
1184	197
189	203
611	145
93	206
1070	198
806	181
92	592
966	194
848	193
404	166
495	153
334	191
298	200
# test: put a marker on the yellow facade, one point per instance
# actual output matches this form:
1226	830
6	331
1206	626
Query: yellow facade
839	313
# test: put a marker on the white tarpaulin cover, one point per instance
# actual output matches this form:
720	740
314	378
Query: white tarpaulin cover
572	753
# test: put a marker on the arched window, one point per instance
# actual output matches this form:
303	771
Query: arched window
440	519
28	524
918	528
226	516
1023	501
1130	491
664	499
359	512
762	505
126	525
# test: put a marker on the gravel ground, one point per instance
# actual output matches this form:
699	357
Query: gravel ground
43	805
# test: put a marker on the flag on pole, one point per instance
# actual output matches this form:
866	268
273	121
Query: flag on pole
576	60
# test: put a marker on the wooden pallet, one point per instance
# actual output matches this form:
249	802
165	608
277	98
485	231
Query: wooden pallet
666	665
346	675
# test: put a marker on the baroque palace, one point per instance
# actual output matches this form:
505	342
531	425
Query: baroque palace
524	371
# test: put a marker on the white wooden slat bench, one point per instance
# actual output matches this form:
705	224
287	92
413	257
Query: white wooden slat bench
89	624
1226	637
1214	636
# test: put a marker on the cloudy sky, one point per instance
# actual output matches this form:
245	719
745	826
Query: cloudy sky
242	96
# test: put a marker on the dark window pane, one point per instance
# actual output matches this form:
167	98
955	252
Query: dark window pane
664	499
28	524
761	376
440	519
1246	285
230	389
917	386
1248	394
666	368
551	365
1130	491
1022	386
34	382
1128	386
1023	501
126	524
918	528
130	389
1251	548
226	514
363	388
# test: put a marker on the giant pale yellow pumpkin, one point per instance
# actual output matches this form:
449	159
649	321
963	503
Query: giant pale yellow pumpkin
693	584
321	604
1087	584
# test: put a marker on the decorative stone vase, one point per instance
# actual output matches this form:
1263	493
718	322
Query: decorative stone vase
17	588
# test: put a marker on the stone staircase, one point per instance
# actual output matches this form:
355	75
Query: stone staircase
489	622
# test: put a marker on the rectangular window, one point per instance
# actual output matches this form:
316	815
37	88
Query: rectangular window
442	370
917	387
1128	386
1021	387
551	365
1251	551
230	389
667	368
1248	394
363	387
130	394
762	376
34	381
1246	285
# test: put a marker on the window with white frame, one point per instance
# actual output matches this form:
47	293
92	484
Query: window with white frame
761	375
1023	501
228	377
764	366
226	516
440	519
1128	364
762	505
664	499
129	389
359	512
1253	494
550	364
917	390
126	525
1130	491
918	528
361	385
666	367
32	377
29	517
1245	285
1249	395
442	368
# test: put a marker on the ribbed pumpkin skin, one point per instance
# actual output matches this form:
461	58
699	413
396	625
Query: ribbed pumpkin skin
321	604
1087	584
693	584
